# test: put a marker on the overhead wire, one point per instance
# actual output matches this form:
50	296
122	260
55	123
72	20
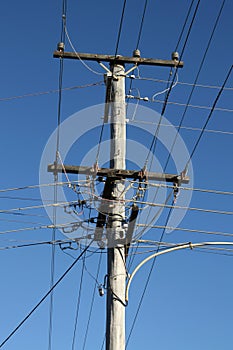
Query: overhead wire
197	106
216	251
181	104
76	53
137	47
183	83
101	83
154	139
195	81
51	184
139	37
210	191
92	303
21	221
25	198
103	342
155	136
44	297
110	81
34	244
149	183
181	55
165	90
214	211
131	260
41	93
142	23
163	245
208	118
78	303
170	228
148	278
120	27
171	207
176	48
215	131
55	192
62	204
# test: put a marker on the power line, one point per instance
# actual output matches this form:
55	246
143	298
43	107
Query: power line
126	201
151	221
184	25
63	20
220	109
76	53
92	303
196	106
154	139
58	130
170	228
176	48
23	198
58	226
225	193
215	131
25	245
195	81
149	183
78	304
58	204
148	279
52	184
181	55
44	297
120	27
211	191
21	221
183	83
213	211
41	93
141	25
208	118
216	251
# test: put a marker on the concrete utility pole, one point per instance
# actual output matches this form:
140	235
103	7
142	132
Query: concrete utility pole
115	321
117	240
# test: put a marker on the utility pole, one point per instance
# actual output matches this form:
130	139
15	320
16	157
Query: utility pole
115	320
118	240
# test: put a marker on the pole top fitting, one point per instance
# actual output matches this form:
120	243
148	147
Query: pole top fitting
136	53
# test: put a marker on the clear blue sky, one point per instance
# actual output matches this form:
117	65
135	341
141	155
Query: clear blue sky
188	303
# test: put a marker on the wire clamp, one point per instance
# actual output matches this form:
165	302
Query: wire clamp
190	245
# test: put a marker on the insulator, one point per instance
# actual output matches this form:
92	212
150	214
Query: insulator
175	56
101	290
60	46
136	53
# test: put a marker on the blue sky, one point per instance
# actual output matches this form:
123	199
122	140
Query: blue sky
188	303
